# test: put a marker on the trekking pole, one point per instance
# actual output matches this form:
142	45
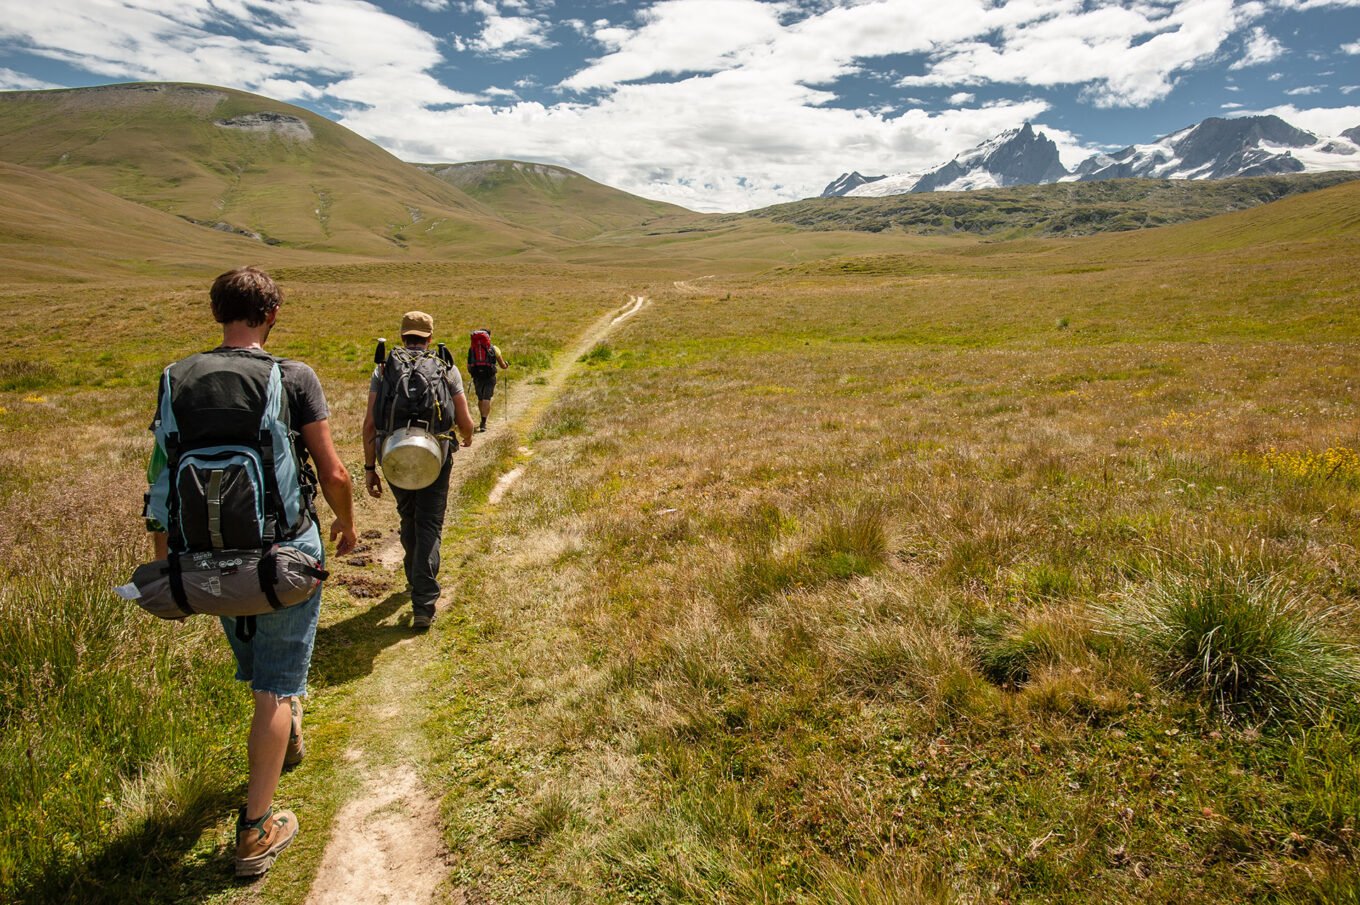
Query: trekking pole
506	411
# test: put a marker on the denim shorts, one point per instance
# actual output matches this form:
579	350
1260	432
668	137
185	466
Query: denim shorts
277	658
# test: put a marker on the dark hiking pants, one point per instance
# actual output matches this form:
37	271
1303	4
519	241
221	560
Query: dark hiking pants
422	530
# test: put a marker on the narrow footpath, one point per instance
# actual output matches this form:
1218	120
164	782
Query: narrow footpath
385	844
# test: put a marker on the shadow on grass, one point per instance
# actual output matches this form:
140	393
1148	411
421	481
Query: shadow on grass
346	650
151	864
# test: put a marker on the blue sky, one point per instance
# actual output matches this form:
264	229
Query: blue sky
719	104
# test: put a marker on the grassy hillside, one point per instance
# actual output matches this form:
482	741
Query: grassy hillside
57	229
234	160
1066	209
552	199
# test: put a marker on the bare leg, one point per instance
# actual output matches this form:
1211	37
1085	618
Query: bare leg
484	407
268	741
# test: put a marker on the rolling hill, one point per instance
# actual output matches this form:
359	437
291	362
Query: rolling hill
235	161
553	199
57	229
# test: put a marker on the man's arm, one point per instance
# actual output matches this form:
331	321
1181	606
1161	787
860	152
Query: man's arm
335	484
500	359
372	482
463	418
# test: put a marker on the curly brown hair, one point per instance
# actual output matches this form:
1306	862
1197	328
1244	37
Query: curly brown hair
244	294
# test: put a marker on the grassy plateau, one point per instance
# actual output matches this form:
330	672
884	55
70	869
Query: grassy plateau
855	567
1014	573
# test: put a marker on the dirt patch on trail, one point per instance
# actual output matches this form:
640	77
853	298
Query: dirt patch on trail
385	848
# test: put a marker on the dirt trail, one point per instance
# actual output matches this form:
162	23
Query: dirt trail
385	846
688	287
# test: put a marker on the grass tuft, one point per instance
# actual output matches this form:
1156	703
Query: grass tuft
1248	643
544	815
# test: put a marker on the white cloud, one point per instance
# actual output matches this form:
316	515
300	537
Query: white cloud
1351	48
1303	90
729	141
1260	48
17	81
679	36
963	97
347	49
1319	121
506	37
1123	56
1231	106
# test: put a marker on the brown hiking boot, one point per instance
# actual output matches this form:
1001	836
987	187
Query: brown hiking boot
259	843
296	746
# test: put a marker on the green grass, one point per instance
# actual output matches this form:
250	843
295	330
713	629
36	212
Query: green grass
123	756
802	595
806	593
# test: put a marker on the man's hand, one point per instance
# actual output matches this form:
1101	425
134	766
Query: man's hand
467	440
373	483
347	540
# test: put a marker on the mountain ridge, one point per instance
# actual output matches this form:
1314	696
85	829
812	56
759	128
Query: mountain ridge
1215	148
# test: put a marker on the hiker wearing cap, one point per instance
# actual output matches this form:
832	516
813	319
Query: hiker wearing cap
417	395
237	432
483	361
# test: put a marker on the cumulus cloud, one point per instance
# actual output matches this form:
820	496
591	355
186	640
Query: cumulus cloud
1351	48
17	81
729	141
506	36
677	36
1260	48
1122	56
1319	121
347	49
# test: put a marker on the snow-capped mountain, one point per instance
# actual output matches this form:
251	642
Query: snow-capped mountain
1213	149
1015	157
845	182
1220	148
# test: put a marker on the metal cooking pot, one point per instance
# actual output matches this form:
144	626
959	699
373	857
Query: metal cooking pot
411	458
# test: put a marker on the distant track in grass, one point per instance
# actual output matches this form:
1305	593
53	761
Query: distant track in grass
385	844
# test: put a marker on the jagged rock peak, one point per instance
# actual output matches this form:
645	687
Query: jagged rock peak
847	182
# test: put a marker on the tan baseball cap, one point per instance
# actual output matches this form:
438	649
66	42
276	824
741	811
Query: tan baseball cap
417	323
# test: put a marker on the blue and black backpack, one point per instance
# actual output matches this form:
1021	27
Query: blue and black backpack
232	482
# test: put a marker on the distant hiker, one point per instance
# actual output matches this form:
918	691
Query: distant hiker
415	386
483	361
233	444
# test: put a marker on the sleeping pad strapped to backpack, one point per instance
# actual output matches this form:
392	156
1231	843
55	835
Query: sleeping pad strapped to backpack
231	495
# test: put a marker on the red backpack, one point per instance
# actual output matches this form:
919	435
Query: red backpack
480	354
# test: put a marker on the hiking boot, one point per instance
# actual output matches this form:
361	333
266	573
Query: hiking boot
296	746
481	428
423	619
259	842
